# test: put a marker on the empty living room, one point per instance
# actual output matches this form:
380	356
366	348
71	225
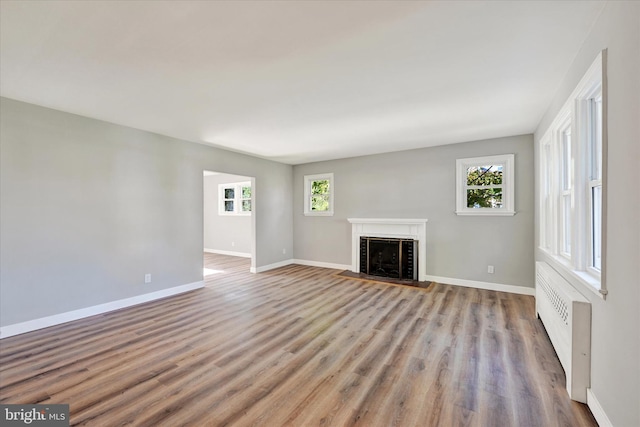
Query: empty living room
320	213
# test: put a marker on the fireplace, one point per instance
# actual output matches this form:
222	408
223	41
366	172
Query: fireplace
391	228
387	257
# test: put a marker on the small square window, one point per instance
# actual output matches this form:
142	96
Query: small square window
485	185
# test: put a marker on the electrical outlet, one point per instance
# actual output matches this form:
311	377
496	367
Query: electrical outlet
233	243
490	269
284	251
147	278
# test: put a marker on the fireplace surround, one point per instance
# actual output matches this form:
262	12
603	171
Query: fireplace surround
392	228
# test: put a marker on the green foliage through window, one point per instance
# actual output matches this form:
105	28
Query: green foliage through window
490	198
246	198
489	177
246	192
320	195
484	175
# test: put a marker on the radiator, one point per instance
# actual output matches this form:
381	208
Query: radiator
566	315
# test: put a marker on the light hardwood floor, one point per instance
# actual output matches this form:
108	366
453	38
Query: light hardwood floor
299	346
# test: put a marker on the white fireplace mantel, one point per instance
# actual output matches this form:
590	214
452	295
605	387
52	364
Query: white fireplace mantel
397	228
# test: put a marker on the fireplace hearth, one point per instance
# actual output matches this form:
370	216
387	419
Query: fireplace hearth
389	257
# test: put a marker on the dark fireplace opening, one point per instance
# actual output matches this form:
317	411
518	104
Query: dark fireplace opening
386	257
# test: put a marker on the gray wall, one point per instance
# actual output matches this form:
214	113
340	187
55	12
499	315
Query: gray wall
224	232
89	207
421	184
615	339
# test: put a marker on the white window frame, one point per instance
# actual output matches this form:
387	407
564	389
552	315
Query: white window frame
507	162
588	171
566	195
308	180
547	205
237	199
588	108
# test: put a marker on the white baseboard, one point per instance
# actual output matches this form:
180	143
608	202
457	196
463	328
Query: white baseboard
483	285
230	253
300	262
322	264
446	280
271	266
57	319
597	411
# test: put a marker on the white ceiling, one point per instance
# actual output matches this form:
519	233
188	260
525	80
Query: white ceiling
296	81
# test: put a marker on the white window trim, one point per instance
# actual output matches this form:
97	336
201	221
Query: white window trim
547	204
508	184
237	201
576	265
308	179
566	188
593	90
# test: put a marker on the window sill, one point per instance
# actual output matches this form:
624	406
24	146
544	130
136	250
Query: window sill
579	279
490	212
326	213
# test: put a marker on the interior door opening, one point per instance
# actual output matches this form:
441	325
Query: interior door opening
228	221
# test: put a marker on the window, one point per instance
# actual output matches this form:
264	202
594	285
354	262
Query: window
234	198
565	191
546	214
485	185
571	178
594	112
318	195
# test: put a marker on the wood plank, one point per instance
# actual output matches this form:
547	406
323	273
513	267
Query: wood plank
299	346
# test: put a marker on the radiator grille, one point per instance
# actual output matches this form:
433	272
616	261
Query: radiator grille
558	303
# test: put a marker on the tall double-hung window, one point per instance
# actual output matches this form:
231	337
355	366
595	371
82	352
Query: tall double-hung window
318	194
572	173
594	117
566	193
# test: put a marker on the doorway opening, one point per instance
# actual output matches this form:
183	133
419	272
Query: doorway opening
228	221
